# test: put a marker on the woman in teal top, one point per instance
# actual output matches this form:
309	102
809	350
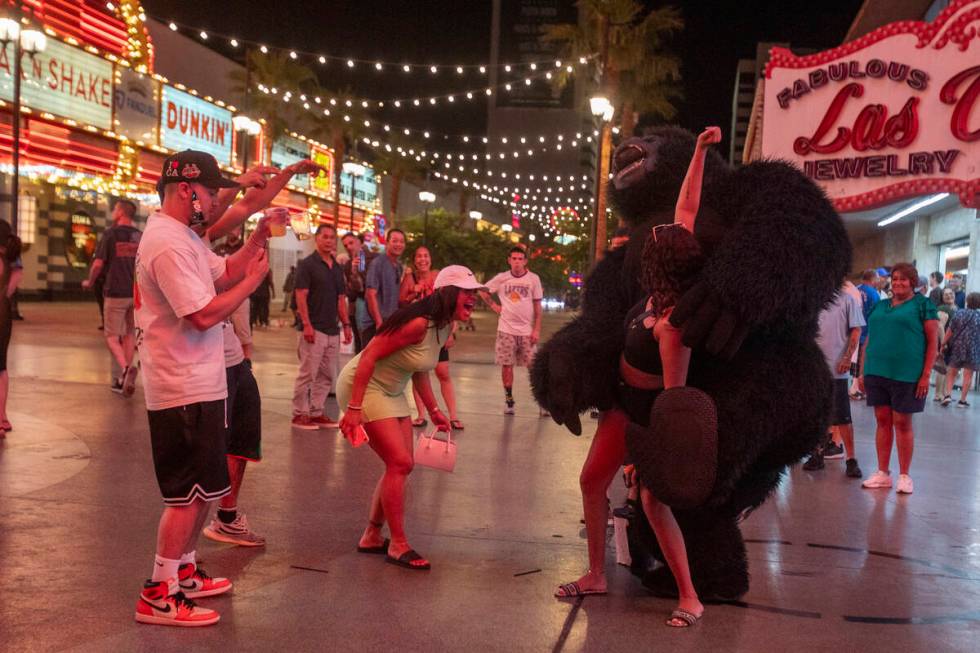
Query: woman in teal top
372	388
899	353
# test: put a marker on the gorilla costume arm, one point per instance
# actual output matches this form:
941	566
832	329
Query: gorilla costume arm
774	268
578	368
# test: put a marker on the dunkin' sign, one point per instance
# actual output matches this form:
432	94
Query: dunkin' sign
891	115
189	123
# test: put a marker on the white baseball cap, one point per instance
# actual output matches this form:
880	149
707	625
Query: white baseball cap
459	276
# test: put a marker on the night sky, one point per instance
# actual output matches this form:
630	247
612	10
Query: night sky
717	34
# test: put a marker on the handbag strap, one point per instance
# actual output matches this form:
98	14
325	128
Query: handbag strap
432	436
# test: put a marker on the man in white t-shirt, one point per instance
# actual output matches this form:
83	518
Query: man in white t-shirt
178	317
519	326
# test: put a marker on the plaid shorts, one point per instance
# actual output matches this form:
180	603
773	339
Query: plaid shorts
513	350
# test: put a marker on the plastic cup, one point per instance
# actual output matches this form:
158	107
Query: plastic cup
277	221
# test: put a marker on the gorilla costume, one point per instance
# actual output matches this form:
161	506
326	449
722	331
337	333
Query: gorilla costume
775	253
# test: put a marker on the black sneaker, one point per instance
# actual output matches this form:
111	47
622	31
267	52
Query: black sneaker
852	470
815	463
116	386
962	404
833	451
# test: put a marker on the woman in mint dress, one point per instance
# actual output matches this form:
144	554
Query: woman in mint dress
371	389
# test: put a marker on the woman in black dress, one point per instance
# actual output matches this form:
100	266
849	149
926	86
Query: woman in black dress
9	278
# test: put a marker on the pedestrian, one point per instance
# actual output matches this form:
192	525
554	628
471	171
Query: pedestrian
372	392
260	299
418	283
321	302
948	305
899	353
244	425
115	261
287	288
519	325
355	271
10	276
179	314
961	349
838	336
383	284
956	283
936	288
868	288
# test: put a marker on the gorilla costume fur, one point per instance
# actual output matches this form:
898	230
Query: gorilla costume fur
776	253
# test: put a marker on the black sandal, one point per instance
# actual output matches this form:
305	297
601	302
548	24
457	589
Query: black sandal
406	559
420	423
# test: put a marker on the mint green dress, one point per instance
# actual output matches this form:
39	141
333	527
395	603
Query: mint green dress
385	395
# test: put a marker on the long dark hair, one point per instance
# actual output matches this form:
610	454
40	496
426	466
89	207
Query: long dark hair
9	242
438	307
672	260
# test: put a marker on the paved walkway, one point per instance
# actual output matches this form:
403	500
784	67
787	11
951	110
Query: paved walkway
833	567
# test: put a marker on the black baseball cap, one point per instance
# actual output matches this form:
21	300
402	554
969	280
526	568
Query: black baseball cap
193	167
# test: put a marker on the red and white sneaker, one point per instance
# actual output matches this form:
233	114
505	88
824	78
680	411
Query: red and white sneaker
160	603
195	583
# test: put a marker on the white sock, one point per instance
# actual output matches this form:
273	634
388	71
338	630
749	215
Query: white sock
164	569
189	558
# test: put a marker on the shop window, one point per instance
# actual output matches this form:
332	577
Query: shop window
27	218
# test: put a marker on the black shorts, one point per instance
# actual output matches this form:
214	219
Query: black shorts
244	413
189	444
443	355
899	395
841	412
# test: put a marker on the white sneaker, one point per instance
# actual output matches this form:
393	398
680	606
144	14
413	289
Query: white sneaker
904	484
880	479
543	413
508	408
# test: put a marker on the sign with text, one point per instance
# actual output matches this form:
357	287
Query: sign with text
136	106
894	114
287	150
190	123
323	181
62	80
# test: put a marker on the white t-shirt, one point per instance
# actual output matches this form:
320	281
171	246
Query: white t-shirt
175	275
517	296
236	332
852	290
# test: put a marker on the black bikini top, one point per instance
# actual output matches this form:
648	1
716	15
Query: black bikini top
641	350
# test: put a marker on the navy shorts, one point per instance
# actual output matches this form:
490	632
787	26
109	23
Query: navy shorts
244	413
899	395
841	413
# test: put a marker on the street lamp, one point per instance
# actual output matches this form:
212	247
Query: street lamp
30	41
246	127
426	198
476	215
603	110
355	170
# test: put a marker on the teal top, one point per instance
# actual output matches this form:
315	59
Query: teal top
897	339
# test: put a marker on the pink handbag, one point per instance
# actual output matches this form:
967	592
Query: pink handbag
434	453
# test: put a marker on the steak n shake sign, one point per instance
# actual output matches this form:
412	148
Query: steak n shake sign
189	123
891	115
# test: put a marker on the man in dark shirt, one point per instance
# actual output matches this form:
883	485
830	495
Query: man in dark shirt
116	257
321	298
355	271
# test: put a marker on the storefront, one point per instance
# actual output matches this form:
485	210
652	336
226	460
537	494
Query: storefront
889	126
97	124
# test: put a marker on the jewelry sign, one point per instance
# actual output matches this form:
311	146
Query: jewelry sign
891	115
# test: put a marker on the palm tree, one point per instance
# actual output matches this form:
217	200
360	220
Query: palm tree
281	77
338	125
638	73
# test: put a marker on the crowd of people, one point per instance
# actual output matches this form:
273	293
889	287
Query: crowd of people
896	334
180	304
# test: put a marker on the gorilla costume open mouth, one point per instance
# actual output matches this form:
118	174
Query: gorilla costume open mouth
633	160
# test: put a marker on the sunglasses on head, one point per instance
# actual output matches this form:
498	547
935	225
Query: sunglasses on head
660	227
